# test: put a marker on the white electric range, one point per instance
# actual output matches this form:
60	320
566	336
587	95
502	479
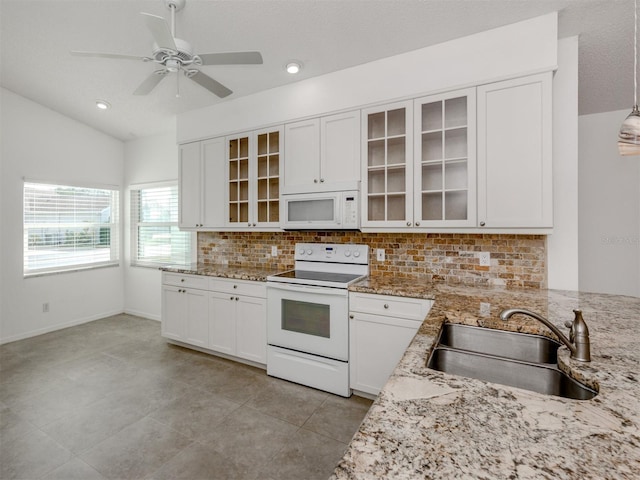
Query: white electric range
308	315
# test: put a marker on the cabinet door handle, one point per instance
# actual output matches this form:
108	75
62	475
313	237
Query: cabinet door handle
182	279
417	224
482	224
237	298
386	305
351	317
322	180
408	224
235	286
230	298
315	180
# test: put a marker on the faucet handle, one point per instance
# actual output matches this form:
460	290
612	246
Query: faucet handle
569	325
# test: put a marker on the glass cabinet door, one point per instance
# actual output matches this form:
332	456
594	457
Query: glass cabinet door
268	177
388	166
253	179
238	179
444	177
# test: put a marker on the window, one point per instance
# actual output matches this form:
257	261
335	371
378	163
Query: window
69	228
156	239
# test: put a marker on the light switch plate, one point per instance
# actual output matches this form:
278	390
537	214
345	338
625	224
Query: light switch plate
380	254
274	251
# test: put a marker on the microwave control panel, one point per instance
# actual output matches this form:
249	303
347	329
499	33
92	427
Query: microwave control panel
350	211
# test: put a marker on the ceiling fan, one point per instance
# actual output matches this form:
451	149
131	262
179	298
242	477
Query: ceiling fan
175	55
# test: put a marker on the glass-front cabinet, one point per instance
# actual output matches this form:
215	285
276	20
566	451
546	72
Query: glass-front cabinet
419	165
445	160
387	167
253	179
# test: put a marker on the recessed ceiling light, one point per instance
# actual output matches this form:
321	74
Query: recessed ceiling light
294	67
103	105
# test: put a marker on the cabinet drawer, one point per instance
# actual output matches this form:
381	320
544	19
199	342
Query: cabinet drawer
238	287
182	280
390	306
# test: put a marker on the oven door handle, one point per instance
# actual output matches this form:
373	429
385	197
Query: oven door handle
289	287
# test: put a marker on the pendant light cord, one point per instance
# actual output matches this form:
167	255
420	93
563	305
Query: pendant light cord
635	53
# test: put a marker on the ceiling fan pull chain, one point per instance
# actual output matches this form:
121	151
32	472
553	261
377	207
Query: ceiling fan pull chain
178	85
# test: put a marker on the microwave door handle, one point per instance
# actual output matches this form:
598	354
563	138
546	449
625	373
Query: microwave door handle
338	292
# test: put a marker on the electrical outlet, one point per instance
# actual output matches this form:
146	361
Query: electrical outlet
380	254
45	307
485	259
485	309
274	251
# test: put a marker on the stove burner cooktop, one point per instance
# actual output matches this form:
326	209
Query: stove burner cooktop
318	277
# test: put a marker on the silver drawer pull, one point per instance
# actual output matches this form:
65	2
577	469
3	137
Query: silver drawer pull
386	305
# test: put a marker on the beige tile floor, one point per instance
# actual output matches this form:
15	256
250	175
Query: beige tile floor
110	399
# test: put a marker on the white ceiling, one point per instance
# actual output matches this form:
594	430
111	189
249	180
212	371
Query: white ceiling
326	35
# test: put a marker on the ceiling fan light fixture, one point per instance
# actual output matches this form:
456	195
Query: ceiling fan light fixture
293	67
102	105
629	136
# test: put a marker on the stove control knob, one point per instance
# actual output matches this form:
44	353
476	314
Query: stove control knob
309	252
347	253
356	254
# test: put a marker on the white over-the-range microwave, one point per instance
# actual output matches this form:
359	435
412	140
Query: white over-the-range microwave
338	210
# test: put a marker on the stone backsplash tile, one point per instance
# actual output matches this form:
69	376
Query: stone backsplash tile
516	260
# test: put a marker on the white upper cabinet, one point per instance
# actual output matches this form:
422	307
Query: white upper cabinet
322	154
387	167
515	153
302	145
252	172
445	160
190	186
340	150
201	187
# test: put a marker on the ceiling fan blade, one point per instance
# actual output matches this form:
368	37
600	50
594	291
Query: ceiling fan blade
231	58
210	84
150	82
160	31
108	55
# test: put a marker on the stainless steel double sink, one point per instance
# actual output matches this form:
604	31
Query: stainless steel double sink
508	358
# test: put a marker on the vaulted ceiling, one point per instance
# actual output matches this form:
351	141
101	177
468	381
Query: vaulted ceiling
36	37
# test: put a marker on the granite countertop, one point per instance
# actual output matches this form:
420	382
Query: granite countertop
428	424
236	272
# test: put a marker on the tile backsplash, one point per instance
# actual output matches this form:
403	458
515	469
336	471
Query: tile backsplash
516	260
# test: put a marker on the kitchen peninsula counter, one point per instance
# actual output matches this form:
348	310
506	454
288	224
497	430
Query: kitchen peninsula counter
428	424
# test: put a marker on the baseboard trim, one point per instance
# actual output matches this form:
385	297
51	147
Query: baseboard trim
138	313
60	326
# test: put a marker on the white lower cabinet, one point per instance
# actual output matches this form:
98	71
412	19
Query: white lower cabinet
225	316
184	314
380	330
238	319
185	309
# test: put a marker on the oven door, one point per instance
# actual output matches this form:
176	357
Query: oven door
308	319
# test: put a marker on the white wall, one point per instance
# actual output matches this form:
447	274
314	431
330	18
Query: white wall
40	144
609	208
518	49
562	245
147	160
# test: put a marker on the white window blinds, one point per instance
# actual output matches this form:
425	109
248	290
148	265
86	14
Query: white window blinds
68	227
156	239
